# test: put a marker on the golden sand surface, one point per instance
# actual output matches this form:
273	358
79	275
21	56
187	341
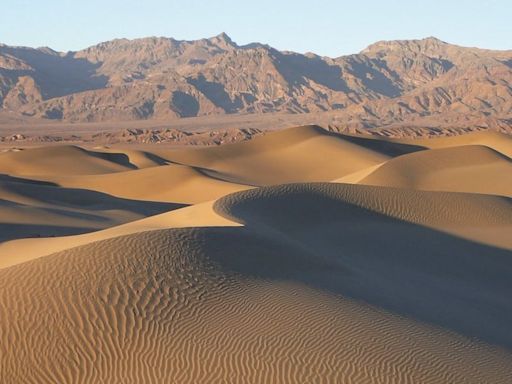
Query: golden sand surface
301	256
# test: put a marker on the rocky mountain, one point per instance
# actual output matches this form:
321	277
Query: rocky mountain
395	82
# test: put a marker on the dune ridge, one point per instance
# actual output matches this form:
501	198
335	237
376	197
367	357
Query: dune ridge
199	215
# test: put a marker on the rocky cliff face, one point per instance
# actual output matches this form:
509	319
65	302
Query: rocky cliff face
154	78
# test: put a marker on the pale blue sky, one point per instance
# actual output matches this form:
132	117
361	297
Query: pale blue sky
326	27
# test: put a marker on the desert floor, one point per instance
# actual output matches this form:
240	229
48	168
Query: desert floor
299	256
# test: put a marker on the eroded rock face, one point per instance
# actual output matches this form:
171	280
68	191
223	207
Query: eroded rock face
26	91
387	83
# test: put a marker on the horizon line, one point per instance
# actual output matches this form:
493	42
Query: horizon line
227	37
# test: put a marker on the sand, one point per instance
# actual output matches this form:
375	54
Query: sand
468	168
30	208
300	256
61	160
302	154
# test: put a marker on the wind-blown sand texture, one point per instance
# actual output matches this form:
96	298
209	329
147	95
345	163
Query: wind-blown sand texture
300	256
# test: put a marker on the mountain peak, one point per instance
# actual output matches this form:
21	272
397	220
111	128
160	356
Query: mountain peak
224	36
434	40
427	43
223	39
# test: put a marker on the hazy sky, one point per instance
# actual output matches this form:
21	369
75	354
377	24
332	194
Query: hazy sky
325	27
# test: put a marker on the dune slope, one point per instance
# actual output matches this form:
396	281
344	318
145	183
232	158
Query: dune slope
303	293
471	168
300	154
167	183
198	215
31	208
62	160
500	142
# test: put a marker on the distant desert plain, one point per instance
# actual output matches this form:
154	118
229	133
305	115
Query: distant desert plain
338	221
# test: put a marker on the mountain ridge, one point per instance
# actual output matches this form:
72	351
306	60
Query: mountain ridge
389	82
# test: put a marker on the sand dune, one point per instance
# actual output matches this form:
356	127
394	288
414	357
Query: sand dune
29	208
495	140
206	265
300	154
137	158
239	304
471	168
168	183
482	218
62	160
332	221
199	215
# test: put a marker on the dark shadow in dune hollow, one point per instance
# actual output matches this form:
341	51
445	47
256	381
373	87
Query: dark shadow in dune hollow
66	202
388	148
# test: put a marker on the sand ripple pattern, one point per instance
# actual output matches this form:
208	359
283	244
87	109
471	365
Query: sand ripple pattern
179	306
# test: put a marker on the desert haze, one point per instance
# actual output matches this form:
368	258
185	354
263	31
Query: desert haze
204	212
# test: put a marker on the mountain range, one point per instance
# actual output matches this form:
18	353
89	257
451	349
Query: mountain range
403	82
